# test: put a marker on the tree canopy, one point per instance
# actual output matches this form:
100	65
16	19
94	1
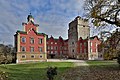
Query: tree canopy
103	12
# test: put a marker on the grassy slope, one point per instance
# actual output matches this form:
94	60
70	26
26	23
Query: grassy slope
34	71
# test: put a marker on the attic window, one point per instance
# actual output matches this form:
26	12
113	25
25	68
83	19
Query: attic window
32	40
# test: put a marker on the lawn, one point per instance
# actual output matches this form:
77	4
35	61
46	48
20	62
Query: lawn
106	62
34	71
97	70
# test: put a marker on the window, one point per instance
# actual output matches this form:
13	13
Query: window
32	56
96	45
65	48
60	48
31	49
32	40
40	40
55	42
48	47
85	44
80	45
80	50
55	48
51	42
23	56
84	50
23	39
51	47
91	50
40	49
41	56
56	52
23	48
72	42
91	43
73	50
51	52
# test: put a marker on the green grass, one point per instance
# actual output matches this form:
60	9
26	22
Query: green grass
107	62
34	71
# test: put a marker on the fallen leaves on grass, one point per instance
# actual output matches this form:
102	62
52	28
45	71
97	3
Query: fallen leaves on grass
106	72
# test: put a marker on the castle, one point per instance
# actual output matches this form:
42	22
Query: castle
34	46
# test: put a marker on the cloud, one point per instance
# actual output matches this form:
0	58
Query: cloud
53	16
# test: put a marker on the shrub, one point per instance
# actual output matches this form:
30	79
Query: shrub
3	75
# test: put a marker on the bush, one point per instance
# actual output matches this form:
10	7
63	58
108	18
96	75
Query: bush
4	60
118	59
3	76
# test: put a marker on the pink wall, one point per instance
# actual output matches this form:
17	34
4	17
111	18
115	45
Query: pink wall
27	44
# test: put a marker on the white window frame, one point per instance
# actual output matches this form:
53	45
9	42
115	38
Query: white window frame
40	56
51	42
51	47
31	49
91	50
22	48
24	57
90	43
51	52
32	55
40	49
23	41
40	41
55	42
32	40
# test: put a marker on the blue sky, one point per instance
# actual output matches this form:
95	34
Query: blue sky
53	16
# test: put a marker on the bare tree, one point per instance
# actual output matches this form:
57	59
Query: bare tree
103	12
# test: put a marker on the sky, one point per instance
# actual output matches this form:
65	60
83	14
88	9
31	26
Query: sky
53	16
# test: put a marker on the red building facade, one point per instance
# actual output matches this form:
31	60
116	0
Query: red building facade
82	48
93	48
88	48
57	48
30	45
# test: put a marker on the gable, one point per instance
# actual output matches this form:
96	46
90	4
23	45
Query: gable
29	26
